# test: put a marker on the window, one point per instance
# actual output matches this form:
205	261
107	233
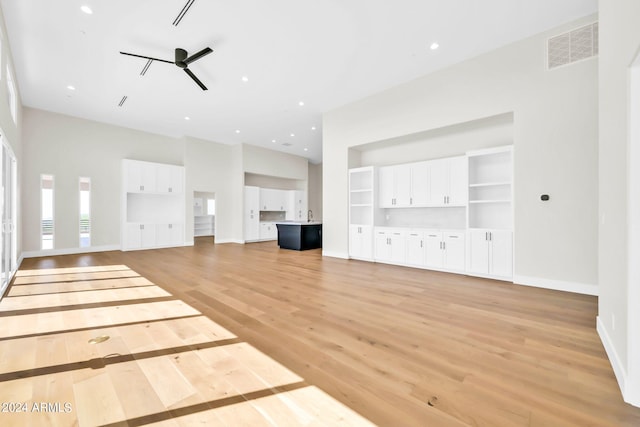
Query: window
11	91
85	212
211	206
46	211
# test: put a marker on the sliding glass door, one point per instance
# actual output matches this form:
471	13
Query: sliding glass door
8	243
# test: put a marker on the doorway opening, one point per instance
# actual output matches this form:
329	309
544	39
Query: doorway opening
204	217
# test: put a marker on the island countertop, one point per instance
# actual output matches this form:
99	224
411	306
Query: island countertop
298	222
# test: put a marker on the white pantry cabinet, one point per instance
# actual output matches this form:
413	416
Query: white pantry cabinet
153	205
251	213
490	253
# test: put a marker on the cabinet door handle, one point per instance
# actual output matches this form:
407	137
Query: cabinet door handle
444	246
453	237
421	243
490	236
410	200
440	245
142	188
444	199
170	190
141	226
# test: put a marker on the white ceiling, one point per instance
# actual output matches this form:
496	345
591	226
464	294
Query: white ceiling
326	53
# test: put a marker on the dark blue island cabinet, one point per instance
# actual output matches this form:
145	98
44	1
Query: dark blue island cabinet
299	236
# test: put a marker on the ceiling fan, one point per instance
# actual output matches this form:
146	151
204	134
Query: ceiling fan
181	60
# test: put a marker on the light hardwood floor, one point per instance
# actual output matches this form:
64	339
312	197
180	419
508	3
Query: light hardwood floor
254	335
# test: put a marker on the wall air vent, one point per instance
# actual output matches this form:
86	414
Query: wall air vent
287	144
573	46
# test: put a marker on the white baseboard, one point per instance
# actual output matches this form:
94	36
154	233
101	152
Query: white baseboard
216	241
618	368
69	251
557	285
335	254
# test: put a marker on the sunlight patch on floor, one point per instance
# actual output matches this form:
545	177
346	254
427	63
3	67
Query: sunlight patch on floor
163	364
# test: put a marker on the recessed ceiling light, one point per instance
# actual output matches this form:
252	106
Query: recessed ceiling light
273	140
237	130
301	103
293	134
86	9
71	87
245	79
306	149
187	118
434	46
313	128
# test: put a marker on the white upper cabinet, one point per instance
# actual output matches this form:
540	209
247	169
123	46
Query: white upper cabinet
433	183
273	200
420	184
169	179
147	177
448	182
296	205
386	189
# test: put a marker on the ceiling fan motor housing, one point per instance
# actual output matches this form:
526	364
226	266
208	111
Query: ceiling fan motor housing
181	55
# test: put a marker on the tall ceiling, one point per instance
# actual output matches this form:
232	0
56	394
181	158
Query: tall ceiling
322	53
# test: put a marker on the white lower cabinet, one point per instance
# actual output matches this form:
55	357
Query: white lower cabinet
415	248
435	249
360	242
444	250
268	231
490	252
168	234
390	245
149	235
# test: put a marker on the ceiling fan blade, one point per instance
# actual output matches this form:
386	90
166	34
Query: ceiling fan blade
195	79
147	57
198	55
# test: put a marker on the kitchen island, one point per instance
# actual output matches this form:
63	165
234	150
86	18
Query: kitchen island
299	235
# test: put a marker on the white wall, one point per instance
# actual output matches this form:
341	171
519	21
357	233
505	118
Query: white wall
68	148
210	167
261	161
555	139
618	302
314	201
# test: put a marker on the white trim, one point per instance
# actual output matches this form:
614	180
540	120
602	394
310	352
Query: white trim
557	285
332	254
69	251
632	392
614	358
240	241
